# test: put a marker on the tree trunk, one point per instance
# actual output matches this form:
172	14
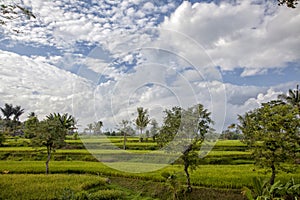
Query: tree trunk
188	181
124	144
48	159
272	179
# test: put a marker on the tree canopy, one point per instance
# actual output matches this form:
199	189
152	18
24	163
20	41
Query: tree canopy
273	133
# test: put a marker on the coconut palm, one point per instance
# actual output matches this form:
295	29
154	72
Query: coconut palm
7	111
292	98
17	111
142	119
66	120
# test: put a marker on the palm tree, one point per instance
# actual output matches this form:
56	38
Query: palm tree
7	111
142	119
292	98
32	114
17	111
66	120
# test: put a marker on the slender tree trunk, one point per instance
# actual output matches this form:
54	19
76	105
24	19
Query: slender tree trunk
188	180
272	179
125	138
141	132
48	159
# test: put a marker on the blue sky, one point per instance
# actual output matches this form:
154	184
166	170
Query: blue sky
99	60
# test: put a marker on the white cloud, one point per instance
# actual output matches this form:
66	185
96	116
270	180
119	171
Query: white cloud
240	35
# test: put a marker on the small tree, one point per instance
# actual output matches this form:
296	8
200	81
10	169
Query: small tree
273	133
50	133
97	127
125	129
154	130
142	119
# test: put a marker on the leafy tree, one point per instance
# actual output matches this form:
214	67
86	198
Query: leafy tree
272	132
12	11
31	122
125	129
142	119
292	98
188	129
49	133
288	3
154	130
171	123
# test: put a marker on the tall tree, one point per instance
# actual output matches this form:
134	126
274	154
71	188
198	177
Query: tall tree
142	119
49	133
187	128
292	97
272	132
17	111
66	120
125	129
7	111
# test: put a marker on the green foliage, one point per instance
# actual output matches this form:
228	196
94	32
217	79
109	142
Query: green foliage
12	11
142	119
185	130
263	190
288	3
272	131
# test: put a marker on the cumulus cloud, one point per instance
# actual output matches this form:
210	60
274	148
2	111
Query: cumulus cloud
248	35
149	56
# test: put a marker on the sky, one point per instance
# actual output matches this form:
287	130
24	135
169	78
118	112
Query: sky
100	60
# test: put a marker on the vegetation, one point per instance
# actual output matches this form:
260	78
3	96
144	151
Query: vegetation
142	119
288	3
272	131
50	133
269	139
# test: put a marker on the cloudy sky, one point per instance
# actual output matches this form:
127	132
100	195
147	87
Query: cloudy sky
101	59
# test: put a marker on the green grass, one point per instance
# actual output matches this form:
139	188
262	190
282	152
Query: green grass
217	176
39	186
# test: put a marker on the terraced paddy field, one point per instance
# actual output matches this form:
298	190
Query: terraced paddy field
76	173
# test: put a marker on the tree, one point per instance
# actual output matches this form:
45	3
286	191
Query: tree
273	133
17	111
171	123
66	120
12	11
125	129
49	133
292	98
188	129
7	111
142	119
97	127
289	3
31	122
154	130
